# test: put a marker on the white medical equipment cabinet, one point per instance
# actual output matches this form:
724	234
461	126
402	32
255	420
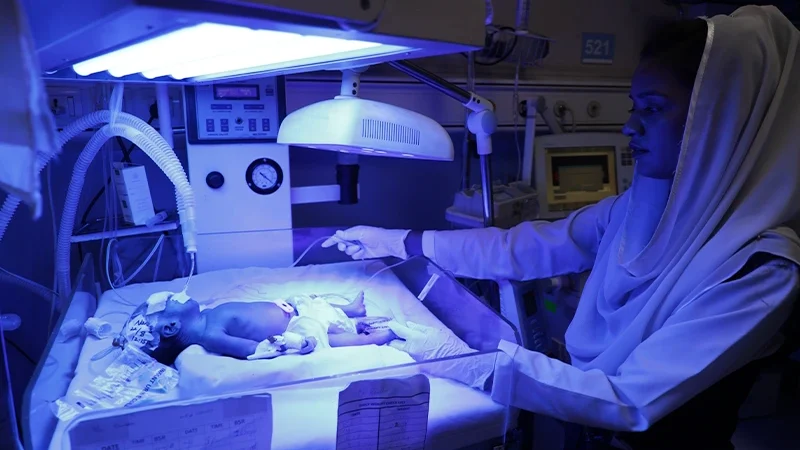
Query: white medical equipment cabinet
239	174
361	395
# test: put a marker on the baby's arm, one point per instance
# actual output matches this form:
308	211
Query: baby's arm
227	345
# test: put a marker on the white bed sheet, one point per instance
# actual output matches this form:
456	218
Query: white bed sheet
458	415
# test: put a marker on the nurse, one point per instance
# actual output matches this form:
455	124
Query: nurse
694	272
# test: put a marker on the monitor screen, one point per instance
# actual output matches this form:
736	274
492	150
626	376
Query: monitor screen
579	172
579	176
236	92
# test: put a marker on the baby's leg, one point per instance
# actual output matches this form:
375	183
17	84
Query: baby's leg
371	323
355	308
377	337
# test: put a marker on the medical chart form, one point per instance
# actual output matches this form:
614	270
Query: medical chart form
237	423
389	414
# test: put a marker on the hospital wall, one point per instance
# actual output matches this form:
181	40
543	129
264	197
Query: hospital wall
564	21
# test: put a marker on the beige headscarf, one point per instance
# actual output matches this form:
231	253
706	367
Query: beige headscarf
738	177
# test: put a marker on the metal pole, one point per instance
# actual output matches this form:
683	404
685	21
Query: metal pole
466	160
486	187
440	84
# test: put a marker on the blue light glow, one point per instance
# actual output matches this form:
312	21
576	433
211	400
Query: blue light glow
209	50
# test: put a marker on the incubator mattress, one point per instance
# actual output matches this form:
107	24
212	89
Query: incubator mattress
458	416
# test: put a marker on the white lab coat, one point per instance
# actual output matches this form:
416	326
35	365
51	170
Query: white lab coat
697	346
661	318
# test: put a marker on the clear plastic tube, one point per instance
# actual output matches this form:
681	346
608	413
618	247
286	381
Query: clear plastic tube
102	117
146	138
156	247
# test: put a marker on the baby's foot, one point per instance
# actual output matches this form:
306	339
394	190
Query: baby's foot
357	305
380	337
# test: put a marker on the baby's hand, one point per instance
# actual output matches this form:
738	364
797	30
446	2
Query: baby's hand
309	345
268	349
380	337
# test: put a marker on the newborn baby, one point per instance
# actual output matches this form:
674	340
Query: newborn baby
168	323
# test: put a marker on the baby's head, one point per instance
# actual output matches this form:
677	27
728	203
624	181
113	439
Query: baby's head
162	326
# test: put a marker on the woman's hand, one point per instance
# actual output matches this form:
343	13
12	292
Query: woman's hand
364	242
424	343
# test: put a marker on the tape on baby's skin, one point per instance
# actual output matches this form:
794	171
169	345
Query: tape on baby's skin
285	306
158	301
181	297
138	331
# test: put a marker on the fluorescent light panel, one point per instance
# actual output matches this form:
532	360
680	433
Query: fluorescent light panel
209	48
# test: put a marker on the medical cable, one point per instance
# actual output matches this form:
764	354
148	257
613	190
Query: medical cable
156	247
12	413
122	299
52	208
158	262
124	280
19	350
308	249
294	264
191	271
389	267
32	286
106	208
515	112
491	33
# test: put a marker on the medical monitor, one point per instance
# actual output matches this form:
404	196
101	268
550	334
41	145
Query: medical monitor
574	170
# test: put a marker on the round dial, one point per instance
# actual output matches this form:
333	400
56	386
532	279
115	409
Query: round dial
264	176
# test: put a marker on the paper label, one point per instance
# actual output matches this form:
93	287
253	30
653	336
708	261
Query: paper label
384	414
138	331
242	423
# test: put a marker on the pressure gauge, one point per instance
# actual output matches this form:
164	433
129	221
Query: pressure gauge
264	176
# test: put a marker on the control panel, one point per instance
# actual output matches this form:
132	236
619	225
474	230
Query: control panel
235	112
240	174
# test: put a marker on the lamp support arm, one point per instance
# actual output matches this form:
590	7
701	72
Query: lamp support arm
482	122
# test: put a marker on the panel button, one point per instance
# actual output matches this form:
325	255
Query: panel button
252	123
209	125
264	124
215	180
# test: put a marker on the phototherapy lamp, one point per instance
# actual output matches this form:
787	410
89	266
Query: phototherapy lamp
199	41
212	44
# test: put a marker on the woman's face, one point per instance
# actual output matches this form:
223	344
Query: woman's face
658	118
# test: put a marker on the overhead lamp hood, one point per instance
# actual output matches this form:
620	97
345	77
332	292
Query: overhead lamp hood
206	40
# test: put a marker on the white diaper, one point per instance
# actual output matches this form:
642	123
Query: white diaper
308	327
320	310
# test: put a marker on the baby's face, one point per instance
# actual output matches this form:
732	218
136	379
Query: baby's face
177	309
